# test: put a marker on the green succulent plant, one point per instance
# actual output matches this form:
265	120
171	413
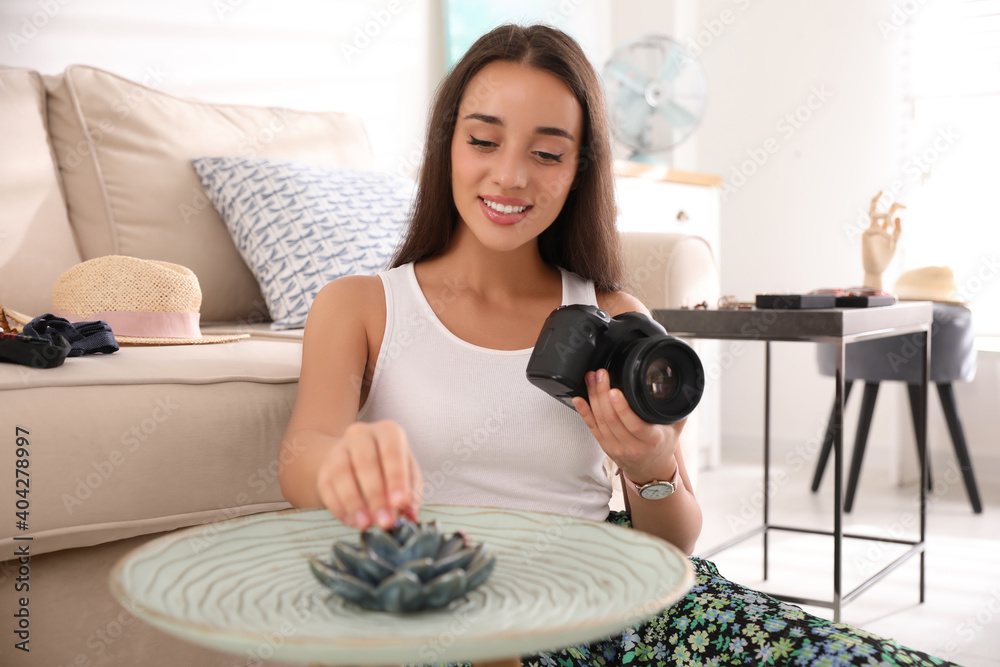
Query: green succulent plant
411	567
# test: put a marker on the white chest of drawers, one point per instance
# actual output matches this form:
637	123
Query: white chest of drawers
647	205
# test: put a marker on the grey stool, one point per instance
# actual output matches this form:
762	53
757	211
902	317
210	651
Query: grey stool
953	359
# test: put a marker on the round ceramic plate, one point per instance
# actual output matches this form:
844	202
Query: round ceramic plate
244	586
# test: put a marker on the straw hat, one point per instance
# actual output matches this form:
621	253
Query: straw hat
929	283
144	301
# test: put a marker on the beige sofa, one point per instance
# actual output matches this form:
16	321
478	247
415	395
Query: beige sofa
124	447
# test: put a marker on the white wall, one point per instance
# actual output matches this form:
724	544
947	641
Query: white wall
378	58
381	59
805	123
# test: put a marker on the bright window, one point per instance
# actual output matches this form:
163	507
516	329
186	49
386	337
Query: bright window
952	148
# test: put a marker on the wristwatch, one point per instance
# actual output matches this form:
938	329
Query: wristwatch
656	490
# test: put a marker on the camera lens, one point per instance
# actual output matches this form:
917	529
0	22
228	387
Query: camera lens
661	376
661	380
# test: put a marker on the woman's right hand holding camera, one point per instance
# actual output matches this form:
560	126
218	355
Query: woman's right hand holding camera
370	477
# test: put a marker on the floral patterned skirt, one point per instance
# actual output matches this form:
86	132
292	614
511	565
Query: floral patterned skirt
722	623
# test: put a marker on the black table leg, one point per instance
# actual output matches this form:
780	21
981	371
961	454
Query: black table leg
838	480
767	446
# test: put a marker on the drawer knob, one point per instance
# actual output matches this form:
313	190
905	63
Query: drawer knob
682	216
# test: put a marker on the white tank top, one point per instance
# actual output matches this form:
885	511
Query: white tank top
482	434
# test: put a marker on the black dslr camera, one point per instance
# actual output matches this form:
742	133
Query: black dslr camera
661	376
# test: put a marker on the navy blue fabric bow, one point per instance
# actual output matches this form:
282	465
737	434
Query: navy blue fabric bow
84	337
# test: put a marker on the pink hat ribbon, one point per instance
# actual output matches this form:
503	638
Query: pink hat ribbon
143	323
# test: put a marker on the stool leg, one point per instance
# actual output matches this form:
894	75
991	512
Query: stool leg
824	452
950	408
860	440
914	392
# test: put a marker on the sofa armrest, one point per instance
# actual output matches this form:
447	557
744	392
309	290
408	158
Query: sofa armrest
668	270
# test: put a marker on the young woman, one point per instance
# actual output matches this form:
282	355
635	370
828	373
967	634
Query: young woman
422	368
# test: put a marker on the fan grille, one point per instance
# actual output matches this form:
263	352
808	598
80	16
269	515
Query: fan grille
656	93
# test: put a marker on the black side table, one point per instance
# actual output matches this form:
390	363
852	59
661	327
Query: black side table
839	326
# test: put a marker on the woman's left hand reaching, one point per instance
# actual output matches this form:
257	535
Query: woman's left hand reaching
642	450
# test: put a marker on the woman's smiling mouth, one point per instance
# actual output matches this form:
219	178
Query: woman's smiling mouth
504	210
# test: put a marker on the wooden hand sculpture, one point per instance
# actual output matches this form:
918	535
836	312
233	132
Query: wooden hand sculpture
878	243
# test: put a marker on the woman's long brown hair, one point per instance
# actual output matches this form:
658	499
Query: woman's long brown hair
583	238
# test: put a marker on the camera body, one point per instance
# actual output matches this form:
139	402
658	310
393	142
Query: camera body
660	375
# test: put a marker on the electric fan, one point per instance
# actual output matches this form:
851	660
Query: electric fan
656	95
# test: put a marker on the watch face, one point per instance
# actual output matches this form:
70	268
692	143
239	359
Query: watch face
656	490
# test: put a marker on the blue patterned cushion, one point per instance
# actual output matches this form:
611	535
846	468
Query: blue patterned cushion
298	227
